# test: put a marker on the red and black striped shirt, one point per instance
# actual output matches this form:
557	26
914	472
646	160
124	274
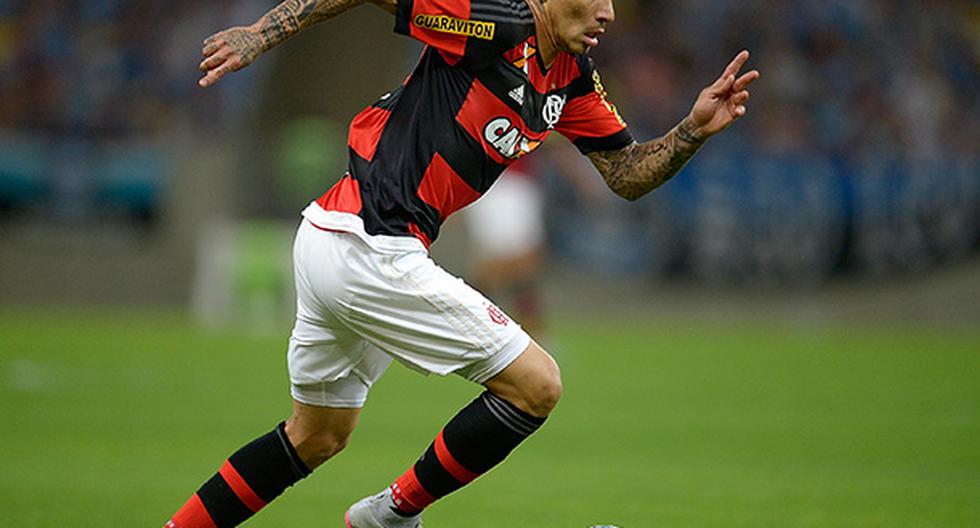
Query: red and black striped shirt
479	98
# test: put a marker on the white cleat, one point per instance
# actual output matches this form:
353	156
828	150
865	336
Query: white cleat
378	511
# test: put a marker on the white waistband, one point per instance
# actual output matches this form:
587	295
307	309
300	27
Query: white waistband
351	223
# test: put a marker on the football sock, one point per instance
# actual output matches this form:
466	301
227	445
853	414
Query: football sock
251	478
478	438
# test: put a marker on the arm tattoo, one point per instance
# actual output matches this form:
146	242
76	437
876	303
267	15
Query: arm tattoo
637	169
293	16
282	22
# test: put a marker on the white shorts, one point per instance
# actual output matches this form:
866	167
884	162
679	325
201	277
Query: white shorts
508	221
364	300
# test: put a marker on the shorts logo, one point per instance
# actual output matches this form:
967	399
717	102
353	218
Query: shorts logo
456	26
496	315
553	108
507	139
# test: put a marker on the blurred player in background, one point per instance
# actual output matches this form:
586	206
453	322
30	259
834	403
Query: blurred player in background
507	229
496	77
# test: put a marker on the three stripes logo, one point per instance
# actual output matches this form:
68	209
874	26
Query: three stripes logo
517	94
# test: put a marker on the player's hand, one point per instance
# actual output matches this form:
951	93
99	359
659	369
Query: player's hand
720	104
228	51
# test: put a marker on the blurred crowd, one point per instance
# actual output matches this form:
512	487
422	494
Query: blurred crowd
87	90
861	149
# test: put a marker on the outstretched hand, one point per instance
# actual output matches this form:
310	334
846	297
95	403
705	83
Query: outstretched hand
720	104
228	51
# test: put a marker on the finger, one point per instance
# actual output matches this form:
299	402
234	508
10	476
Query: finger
215	60
209	64
723	85
746	80
732	68
737	62
213	76
211	46
739	111
741	97
715	86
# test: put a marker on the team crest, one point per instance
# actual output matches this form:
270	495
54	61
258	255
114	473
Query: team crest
553	108
497	315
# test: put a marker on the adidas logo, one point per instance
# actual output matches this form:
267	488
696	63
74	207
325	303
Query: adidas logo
517	94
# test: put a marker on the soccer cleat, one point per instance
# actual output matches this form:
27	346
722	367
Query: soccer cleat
378	511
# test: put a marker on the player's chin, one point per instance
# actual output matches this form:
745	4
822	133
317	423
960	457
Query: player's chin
579	47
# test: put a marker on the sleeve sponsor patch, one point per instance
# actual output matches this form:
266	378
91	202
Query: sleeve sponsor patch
601	90
456	26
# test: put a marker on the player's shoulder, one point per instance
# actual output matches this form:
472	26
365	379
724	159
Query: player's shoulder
502	11
511	24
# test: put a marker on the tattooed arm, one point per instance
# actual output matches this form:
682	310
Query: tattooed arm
637	169
235	48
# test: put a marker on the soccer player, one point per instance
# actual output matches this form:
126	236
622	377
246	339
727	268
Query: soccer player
495	78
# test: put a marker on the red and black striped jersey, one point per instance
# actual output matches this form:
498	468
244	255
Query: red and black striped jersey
479	98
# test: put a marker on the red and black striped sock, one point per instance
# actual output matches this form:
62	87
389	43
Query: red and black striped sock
251	478
478	438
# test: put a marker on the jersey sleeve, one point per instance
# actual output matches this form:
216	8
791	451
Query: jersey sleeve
589	120
474	30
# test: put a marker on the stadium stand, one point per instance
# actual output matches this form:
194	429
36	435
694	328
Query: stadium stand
87	91
862	153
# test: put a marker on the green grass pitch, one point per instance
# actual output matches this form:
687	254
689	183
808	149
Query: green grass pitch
113	419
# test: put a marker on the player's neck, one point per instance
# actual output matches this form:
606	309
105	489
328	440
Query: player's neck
546	39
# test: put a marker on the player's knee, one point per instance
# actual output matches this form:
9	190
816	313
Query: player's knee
544	394
332	444
323	446
316	441
532	383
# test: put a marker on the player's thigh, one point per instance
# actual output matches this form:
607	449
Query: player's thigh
430	320
329	364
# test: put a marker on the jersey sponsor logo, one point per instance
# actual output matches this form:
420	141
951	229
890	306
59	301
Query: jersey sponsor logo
507	139
496	315
456	26
553	108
